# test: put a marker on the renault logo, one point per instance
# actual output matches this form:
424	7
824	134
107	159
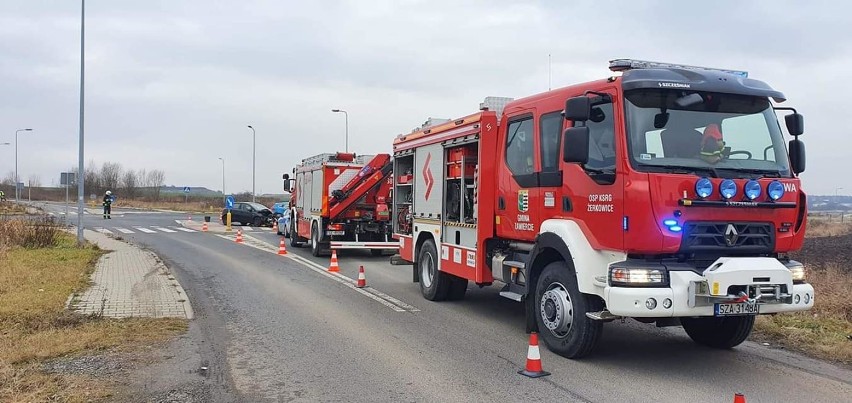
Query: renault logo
731	235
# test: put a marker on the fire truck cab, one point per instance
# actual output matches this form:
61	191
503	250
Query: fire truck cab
666	194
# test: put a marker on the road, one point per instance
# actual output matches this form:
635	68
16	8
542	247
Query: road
280	328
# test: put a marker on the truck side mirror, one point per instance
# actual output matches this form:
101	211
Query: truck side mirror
575	145
797	155
795	124
286	177
578	109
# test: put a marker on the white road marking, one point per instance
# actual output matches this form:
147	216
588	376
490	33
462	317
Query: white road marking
163	229
184	229
125	230
368	292
248	229
103	231
146	230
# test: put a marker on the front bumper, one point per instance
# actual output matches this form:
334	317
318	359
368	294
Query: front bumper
693	294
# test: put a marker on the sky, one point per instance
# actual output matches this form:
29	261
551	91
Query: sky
173	85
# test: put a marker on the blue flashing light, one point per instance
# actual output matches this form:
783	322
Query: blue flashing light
775	190
675	228
728	189
624	223
670	223
703	187
752	189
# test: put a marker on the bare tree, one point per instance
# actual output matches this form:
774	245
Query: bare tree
34	181
142	180
110	175
91	178
130	183
9	179
157	178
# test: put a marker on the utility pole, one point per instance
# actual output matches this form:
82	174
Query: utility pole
80	169
253	152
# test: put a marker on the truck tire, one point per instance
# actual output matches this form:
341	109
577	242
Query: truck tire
458	287
295	240
434	284
723	333
560	311
316	247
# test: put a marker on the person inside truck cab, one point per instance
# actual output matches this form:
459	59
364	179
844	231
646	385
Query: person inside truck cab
712	144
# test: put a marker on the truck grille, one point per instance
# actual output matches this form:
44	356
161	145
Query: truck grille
728	238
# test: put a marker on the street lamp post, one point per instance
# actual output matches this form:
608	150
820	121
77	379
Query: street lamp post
16	160
81	172
346	116
253	153
224	195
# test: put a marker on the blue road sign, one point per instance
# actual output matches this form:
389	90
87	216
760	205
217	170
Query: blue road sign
186	189
229	202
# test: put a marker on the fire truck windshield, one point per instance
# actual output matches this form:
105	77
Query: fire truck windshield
677	131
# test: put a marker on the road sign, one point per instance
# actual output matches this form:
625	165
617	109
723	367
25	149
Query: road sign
67	178
186	189
229	202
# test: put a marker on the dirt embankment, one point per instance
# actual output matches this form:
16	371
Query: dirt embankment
828	250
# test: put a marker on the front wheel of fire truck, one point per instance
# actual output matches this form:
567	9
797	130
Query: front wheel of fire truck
724	332
434	284
295	240
561	312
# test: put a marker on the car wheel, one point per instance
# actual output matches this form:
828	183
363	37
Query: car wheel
257	222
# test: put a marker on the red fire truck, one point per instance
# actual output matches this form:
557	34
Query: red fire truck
665	193
341	201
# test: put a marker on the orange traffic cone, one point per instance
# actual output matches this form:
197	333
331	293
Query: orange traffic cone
282	250
239	236
739	398
189	217
362	281
533	369
333	266
204	227
275	226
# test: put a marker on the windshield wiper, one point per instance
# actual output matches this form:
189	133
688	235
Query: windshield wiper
686	169
764	173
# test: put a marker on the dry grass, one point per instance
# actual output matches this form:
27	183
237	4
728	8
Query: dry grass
825	330
34	325
8	208
30	232
819	227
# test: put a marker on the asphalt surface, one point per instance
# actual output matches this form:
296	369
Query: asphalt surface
277	328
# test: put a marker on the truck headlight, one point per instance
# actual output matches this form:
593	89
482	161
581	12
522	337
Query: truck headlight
798	272
638	277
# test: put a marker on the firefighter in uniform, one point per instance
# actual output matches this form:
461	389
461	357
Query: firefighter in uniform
108	199
712	144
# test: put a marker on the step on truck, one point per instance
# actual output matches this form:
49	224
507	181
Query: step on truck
665	193
341	201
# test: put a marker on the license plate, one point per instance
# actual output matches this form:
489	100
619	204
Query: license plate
745	308
336	232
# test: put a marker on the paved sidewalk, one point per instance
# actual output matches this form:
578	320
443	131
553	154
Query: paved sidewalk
130	282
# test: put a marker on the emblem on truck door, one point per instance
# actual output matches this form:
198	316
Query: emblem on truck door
731	235
523	200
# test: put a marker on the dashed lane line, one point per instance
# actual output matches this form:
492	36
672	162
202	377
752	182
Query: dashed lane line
368	292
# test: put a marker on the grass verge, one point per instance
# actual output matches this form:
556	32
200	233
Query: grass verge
826	330
35	327
9	208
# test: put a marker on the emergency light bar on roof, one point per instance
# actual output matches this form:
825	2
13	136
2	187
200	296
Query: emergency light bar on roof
629	64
